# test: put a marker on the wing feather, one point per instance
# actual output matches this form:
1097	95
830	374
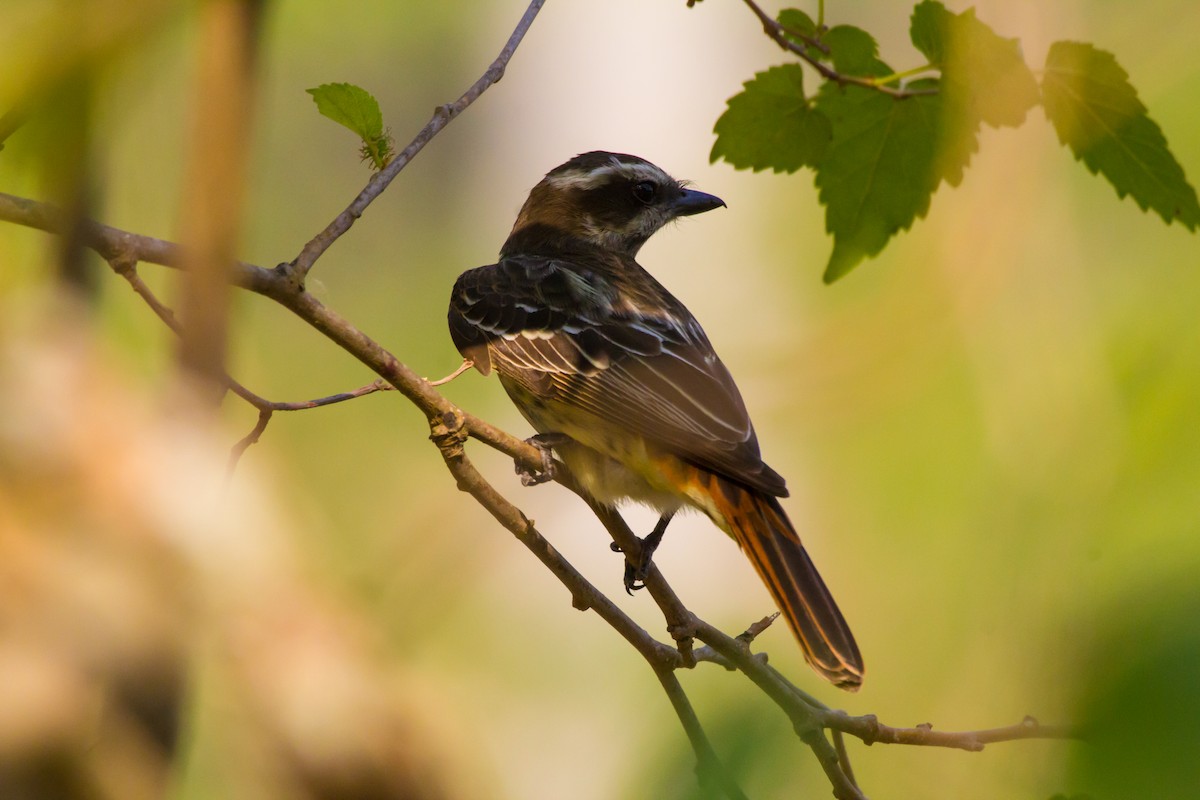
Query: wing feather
563	332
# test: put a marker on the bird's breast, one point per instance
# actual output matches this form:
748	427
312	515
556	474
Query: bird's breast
613	464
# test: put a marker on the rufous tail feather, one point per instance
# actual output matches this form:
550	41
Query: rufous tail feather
762	529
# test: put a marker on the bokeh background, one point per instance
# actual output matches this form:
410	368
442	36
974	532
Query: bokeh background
991	432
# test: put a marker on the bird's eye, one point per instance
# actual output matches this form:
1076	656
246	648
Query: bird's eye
644	192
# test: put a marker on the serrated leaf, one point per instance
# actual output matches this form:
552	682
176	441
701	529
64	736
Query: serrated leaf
356	109
1097	113
853	51
957	137
771	125
351	106
927	30
796	20
983	74
879	170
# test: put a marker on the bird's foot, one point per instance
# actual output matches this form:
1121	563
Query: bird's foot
635	574
545	444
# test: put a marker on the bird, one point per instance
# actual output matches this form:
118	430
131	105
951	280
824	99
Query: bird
621	381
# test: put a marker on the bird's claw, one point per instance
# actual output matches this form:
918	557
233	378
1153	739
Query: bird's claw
545	444
533	477
635	574
635	577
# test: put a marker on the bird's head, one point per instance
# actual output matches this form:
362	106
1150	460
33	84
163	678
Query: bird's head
608	200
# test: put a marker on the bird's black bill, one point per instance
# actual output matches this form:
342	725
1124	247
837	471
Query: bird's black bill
693	202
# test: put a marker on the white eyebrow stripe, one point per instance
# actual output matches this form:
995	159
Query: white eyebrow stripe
590	179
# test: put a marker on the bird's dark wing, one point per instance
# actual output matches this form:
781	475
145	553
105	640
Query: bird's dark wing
568	335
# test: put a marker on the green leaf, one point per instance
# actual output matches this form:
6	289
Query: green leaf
853	51
796	20
928	30
356	109
956	136
983	74
1097	113
879	170
771	125
351	106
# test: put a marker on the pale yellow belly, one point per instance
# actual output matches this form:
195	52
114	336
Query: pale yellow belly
612	464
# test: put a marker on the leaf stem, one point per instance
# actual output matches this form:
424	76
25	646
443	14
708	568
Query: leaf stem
908	73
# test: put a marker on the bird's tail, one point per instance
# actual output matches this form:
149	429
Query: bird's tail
760	526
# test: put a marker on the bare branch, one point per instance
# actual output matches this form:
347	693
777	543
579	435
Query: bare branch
804	711
870	730
442	117
463	367
756	628
449	436
709	769
362	391
235	453
839	745
115	244
126	266
268	407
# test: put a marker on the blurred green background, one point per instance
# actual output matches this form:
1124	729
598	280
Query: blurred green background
991	432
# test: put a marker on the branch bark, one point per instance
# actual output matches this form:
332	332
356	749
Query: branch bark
871	731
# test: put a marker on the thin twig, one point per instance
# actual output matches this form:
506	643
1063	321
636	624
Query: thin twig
125	265
844	787
463	367
809	41
839	745
268	407
379	385
803	711
115	244
442	117
235	453
709	769
779	34
707	653
127	269
756	628
871	731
